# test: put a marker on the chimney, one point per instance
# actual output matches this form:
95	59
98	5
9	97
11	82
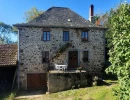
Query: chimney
91	14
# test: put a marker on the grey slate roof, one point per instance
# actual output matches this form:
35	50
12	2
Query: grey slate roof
58	17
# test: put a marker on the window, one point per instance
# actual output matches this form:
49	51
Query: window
46	36
84	36
85	56
65	35
45	56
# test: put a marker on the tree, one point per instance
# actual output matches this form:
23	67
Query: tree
103	19
5	33
118	37
31	14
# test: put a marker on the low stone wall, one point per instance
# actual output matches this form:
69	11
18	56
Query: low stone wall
64	81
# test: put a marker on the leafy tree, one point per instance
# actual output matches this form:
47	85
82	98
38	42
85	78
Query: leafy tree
103	19
31	14
119	44
5	33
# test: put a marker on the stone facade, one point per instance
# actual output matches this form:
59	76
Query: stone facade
31	46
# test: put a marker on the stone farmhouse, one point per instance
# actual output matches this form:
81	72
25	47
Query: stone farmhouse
59	36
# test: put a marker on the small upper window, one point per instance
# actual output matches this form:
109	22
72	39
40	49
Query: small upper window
85	56
65	35
46	36
84	36
45	56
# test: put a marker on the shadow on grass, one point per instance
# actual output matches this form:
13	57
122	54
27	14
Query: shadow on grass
106	83
7	95
109	76
4	95
107	79
30	92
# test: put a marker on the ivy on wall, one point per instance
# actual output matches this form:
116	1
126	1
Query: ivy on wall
62	49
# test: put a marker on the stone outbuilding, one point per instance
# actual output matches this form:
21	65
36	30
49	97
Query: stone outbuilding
58	36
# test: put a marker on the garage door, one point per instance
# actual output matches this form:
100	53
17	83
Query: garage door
37	81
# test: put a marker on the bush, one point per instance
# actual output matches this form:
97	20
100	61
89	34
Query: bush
119	44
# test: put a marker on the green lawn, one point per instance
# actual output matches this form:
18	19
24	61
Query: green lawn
90	93
7	96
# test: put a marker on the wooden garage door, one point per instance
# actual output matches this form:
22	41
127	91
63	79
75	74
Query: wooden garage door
37	81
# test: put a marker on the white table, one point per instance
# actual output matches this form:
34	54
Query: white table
60	67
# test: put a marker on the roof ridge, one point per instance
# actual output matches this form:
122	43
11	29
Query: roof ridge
58	17
47	11
59	7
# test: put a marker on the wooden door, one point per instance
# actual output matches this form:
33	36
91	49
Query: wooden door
36	81
73	59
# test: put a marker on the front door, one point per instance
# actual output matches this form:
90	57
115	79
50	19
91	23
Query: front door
73	59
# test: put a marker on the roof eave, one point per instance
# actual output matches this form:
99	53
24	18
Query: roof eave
52	26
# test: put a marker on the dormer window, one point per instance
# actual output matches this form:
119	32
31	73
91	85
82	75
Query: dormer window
84	36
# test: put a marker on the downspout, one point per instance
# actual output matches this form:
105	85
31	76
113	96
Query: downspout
18	60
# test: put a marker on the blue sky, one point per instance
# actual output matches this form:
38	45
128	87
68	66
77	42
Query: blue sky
12	11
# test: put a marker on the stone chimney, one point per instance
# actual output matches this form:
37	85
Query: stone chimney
91	14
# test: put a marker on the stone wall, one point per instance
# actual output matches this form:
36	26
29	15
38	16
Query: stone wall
31	47
64	81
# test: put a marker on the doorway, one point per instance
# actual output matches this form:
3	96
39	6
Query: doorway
73	59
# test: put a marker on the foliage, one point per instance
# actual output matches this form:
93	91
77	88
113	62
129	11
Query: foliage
103	19
5	33
64	47
8	95
95	79
96	19
11	96
119	44
80	68
32	14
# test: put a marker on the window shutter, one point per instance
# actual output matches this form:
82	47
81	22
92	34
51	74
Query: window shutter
42	37
45	56
85	56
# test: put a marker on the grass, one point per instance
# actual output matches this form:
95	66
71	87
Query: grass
7	95
89	93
